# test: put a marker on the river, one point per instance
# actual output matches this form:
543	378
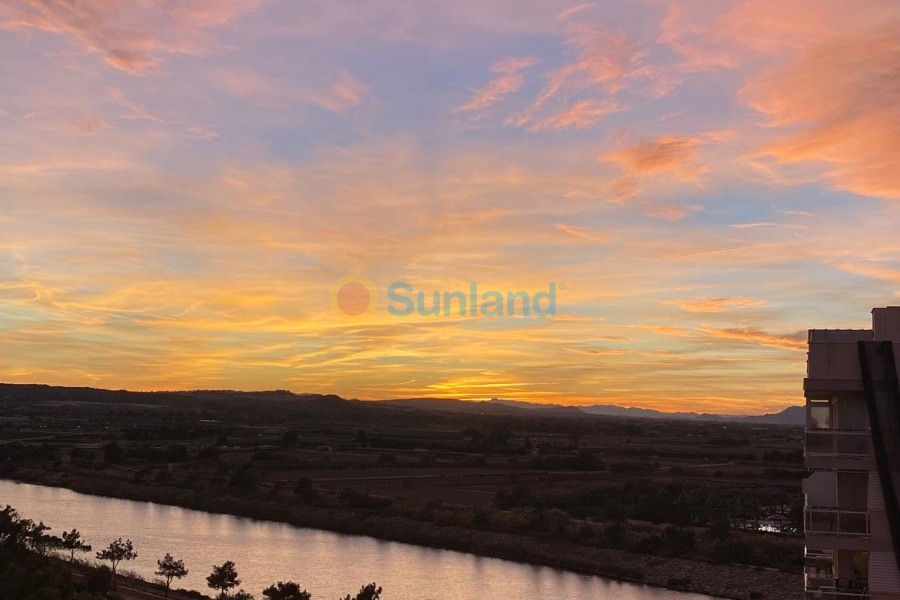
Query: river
330	565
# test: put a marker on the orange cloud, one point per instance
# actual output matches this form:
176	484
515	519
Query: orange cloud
581	114
795	341
840	104
666	153
603	58
714	305
510	80
581	233
867	269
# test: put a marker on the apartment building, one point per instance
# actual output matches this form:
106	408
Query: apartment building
852	517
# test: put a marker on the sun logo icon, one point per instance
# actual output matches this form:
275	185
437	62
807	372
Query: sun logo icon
353	296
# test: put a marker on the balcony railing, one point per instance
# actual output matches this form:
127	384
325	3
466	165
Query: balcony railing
829	588
837	521
826	594
837	442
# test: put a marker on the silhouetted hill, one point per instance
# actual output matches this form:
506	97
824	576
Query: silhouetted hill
335	405
324	403
793	415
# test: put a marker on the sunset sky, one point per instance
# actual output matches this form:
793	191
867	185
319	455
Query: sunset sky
182	182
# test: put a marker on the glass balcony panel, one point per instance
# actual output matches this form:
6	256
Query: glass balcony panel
826	520
853	522
821	521
844	443
852	443
819	442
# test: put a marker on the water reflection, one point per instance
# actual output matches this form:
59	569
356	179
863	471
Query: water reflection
329	565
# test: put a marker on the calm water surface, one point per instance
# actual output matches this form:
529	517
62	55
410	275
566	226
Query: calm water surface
329	565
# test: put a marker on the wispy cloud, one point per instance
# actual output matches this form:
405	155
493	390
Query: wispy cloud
715	305
508	81
133	39
581	114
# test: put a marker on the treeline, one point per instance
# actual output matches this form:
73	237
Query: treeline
36	565
674	502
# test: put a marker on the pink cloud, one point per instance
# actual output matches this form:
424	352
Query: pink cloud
581	233
581	114
603	58
346	91
131	37
670	212
509	81
136	111
88	125
575	9
838	105
667	155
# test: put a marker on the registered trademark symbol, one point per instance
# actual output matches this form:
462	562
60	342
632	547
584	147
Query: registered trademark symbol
562	286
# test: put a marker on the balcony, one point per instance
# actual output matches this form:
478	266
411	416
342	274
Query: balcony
836	589
836	521
836	574
837	442
824	594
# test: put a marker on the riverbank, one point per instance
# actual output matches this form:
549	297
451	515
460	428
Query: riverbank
727	581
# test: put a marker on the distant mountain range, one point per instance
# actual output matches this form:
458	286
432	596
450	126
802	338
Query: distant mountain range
792	415
335	405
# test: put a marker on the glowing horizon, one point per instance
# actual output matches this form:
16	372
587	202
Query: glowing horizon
183	183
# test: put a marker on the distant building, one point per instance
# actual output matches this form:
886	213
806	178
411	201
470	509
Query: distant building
852	518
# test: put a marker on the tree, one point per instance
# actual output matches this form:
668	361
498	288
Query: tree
72	543
116	552
242	595
367	592
169	569
39	540
286	591
223	578
13	529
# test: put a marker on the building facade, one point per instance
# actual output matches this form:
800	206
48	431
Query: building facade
852	518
